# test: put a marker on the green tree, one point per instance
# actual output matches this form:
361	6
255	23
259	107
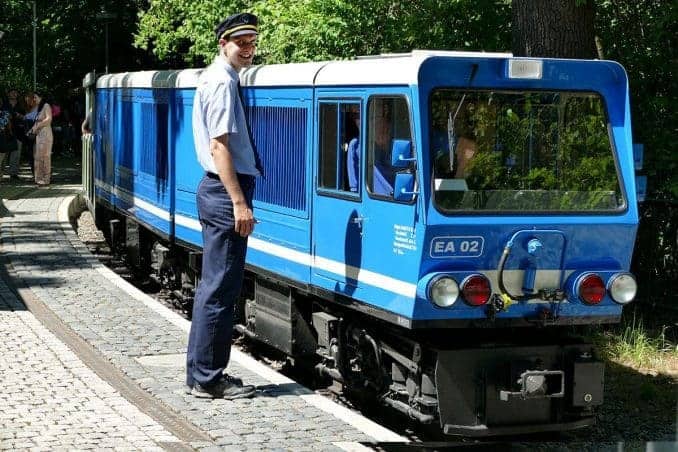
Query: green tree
70	42
313	30
643	37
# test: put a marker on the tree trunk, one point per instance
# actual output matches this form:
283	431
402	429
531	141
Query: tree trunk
554	28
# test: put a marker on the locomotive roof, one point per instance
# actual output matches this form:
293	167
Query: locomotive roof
390	69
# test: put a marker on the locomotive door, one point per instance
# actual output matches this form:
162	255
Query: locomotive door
338	211
392	235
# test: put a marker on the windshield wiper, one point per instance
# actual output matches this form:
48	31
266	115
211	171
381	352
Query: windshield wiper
451	136
451	120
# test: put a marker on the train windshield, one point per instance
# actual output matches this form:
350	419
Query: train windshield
522	152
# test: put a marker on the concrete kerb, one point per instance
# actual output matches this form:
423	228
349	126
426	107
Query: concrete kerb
73	205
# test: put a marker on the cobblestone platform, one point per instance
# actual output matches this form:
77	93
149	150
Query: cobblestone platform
89	362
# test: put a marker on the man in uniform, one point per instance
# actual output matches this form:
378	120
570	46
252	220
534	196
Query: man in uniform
224	200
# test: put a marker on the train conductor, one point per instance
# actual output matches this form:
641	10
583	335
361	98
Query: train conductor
224	199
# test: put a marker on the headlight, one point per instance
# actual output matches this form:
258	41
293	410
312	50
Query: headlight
443	291
622	288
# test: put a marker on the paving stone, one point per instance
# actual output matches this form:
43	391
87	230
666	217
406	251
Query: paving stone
63	275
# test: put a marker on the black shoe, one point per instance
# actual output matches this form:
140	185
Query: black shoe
225	389
188	389
235	380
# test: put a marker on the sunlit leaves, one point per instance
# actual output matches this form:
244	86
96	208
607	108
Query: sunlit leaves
305	30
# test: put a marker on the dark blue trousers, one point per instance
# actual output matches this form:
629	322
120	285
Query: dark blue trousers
223	264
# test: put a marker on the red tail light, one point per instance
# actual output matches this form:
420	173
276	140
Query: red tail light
476	290
591	289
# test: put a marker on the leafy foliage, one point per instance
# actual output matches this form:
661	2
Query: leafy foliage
313	30
70	42
643	36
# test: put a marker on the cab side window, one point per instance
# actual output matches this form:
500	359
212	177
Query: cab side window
340	145
388	120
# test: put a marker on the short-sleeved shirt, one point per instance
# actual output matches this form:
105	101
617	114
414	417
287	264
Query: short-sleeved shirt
217	110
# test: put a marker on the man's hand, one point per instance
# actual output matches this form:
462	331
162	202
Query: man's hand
244	219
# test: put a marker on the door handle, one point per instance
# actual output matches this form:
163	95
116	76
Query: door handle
359	222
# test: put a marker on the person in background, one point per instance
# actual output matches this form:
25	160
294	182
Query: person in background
28	121
17	113
466	149
224	199
7	139
42	129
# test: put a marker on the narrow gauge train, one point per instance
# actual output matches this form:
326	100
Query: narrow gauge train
432	225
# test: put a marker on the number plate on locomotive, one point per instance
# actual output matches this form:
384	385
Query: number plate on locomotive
446	247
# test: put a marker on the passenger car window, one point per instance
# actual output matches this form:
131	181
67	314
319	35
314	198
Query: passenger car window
340	145
388	120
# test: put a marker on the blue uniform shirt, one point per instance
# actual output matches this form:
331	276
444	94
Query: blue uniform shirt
217	110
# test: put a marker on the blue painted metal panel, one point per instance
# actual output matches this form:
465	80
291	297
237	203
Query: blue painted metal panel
365	247
152	182
268	260
123	120
281	130
188	173
586	243
279	134
126	135
135	137
103	146
281	125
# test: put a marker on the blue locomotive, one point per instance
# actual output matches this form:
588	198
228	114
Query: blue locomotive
431	225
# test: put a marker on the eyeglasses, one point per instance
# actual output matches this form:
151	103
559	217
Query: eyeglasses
245	44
